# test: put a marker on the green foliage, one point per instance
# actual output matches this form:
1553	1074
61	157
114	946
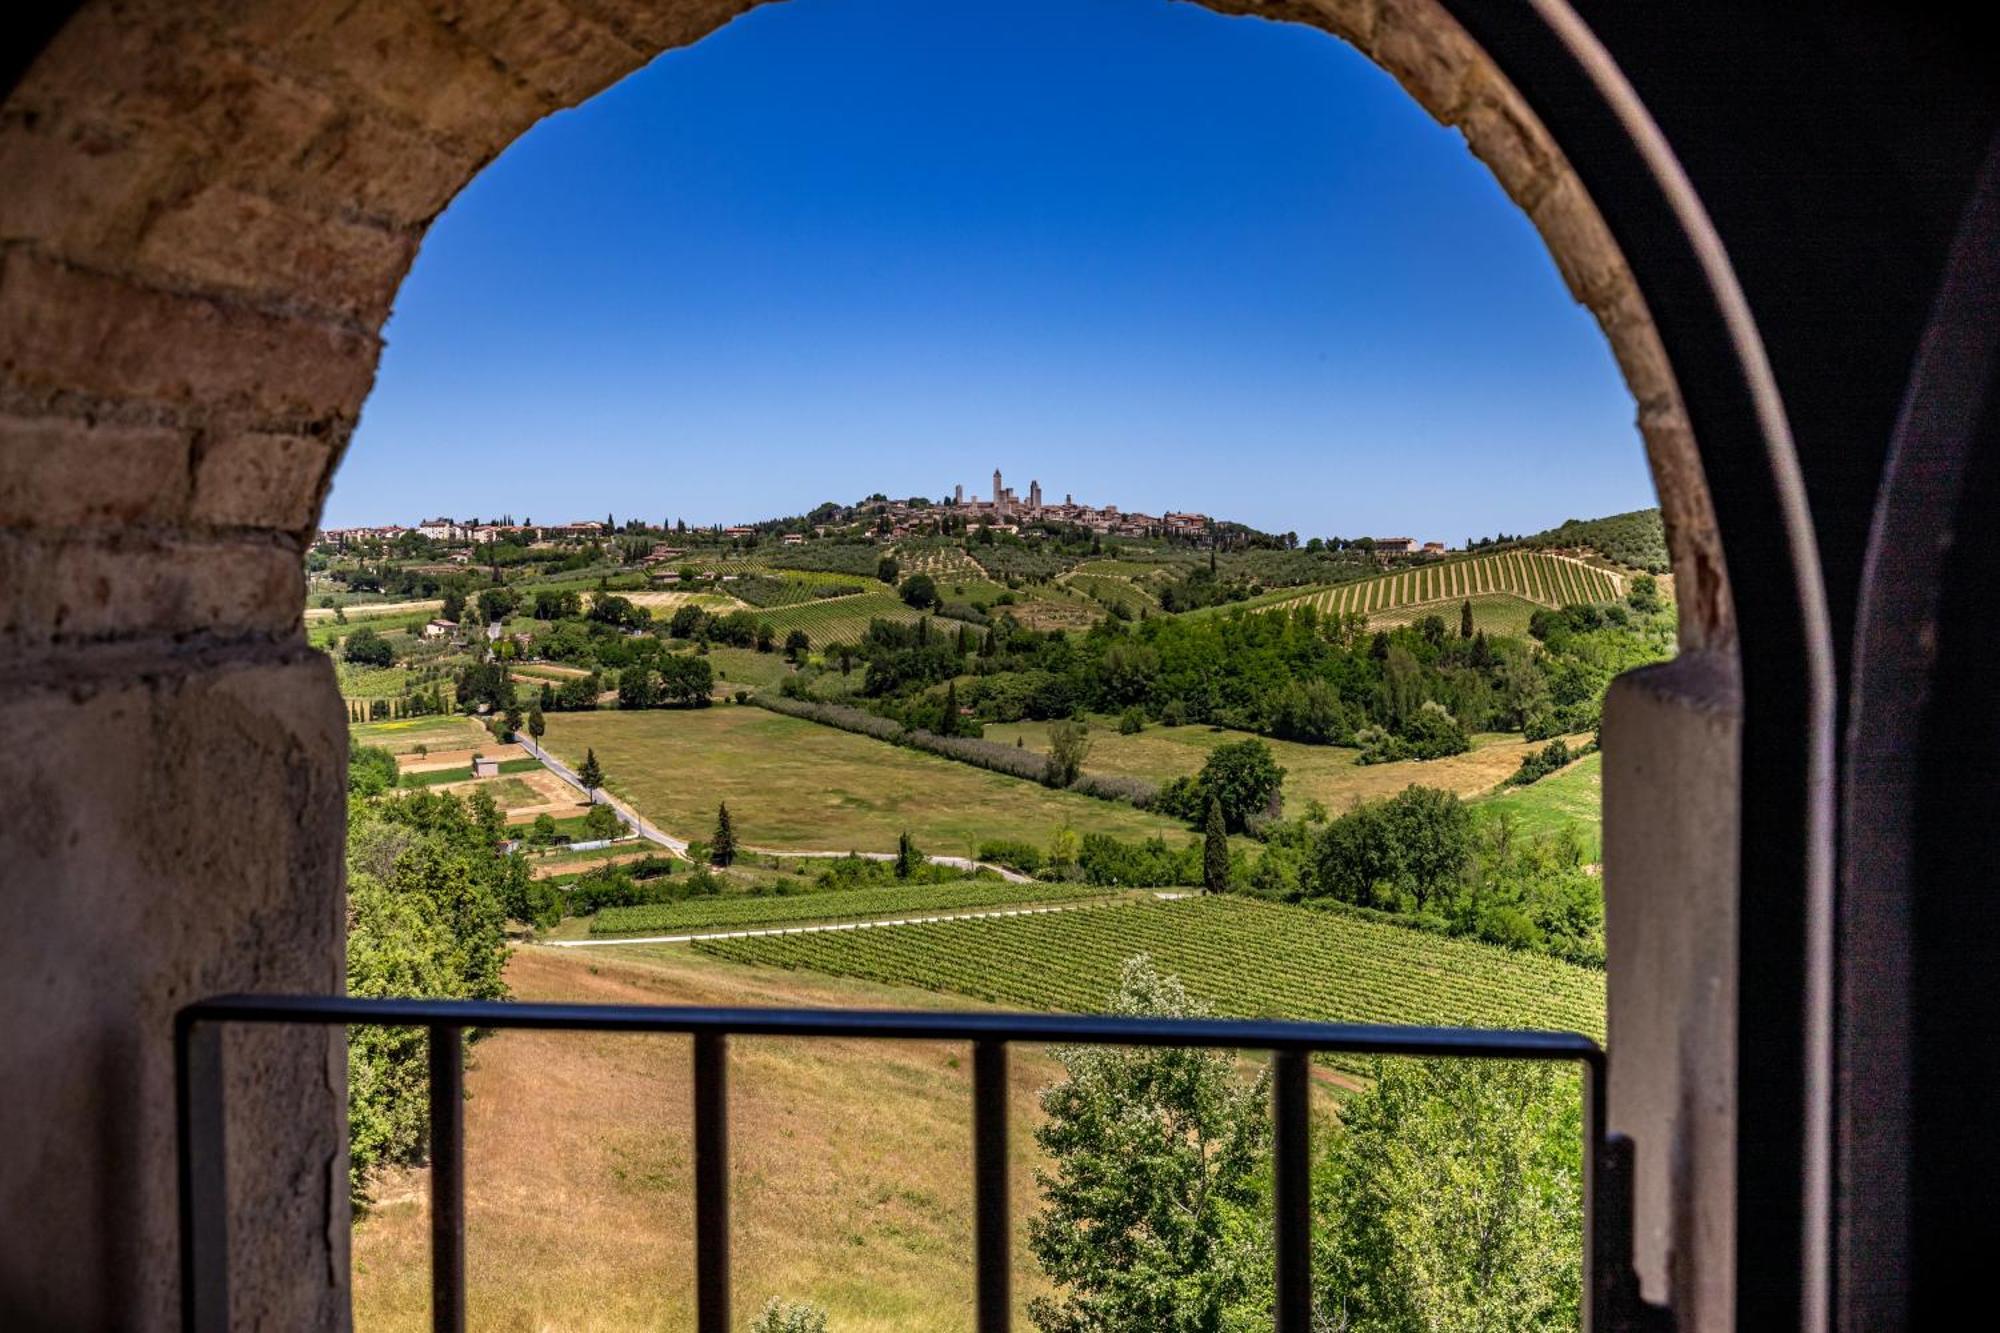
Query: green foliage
1069	746
1153	1214
601	821
1242	777
1637	539
886	569
1452	1200
1215	849
1132	721
365	647
426	916
1015	855
780	1316
1538	764
920	591
370	769
908	858
722	846
591	775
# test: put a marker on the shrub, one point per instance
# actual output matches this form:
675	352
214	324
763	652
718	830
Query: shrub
789	1317
1022	856
1132	721
1540	763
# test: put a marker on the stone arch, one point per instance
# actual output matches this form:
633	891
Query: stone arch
212	207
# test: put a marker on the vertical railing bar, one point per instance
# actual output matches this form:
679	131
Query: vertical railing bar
204	1177
711	1182
993	1240
1292	1189
447	1060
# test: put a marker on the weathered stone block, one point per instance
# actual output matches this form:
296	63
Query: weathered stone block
1586	256
66	328
1427	52
59	472
126	585
1507	137
177	827
254	479
565	55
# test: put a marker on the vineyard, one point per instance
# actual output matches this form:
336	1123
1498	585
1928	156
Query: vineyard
1248	959
837	619
1535	576
833	905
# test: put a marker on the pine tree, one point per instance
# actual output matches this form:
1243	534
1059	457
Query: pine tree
590	775
1214	850
722	847
1465	619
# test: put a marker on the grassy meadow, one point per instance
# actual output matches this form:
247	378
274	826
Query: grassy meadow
1326	773
1573	798
794	785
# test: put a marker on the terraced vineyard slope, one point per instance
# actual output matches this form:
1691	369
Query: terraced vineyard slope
1249	959
1533	576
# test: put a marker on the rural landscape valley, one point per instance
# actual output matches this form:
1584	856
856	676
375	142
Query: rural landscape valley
914	755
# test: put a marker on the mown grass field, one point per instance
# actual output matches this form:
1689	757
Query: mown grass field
1246	958
1534	576
851	1188
1573	799
433	733
1325	773
795	785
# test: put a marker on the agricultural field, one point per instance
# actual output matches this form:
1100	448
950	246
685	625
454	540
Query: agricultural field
851	1185
837	619
1572	799
1113	588
731	911
663	602
1495	613
798	786
451	732
746	668
1535	576
1246	958
1325	773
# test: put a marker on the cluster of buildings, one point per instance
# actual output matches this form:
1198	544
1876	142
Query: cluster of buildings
1005	511
471	530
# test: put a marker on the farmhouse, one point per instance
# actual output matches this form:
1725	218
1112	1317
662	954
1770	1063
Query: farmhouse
440	628
1396	545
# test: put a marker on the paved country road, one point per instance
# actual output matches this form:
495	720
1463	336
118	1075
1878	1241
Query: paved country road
633	820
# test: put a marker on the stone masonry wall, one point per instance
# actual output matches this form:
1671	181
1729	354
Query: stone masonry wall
209	209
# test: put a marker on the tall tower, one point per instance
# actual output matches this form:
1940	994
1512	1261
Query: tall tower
958	494
997	496
1034	495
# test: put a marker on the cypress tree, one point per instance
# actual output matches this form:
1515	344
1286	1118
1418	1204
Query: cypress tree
948	725
722	847
1465	619
590	775
1214	850
908	858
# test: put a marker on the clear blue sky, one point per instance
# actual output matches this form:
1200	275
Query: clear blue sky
1144	253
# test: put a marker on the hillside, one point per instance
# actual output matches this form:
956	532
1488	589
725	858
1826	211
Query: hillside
1637	539
1491	580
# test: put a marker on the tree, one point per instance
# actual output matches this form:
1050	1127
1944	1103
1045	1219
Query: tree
1214	850
767	637
365	647
1451	1200
454	604
797	644
948	713
1465	619
722	847
1152	1217
920	591
908	858
1069	746
537	724
886	569
601	822
1244	778
591	775
513	722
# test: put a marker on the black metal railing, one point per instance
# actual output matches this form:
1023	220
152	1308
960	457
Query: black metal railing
1611	1300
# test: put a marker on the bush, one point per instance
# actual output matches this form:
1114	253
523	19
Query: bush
1024	857
789	1317
1540	763
1132	721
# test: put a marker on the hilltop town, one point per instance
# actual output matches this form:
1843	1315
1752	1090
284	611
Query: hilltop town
884	520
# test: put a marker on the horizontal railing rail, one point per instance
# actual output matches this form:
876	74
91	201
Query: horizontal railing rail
1610	1289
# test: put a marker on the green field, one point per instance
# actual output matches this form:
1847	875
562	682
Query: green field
736	910
1492	613
746	668
1547	580
1246	958
1573	799
796	785
1326	773
451	732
